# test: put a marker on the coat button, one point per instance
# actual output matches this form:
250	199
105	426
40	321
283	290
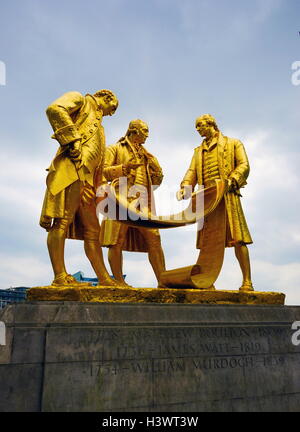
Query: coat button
91	131
95	124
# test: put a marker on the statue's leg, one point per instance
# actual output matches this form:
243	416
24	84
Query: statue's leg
57	235
155	252
94	253
56	247
92	246
115	255
242	254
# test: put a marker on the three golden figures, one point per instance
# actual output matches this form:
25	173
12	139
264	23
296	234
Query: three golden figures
84	173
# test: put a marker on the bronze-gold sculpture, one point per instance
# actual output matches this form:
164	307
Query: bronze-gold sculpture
69	209
220	157
219	166
129	158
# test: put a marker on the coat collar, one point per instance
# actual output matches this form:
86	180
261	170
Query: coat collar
220	139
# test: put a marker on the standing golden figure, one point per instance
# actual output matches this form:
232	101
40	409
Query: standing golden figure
69	209
129	158
220	157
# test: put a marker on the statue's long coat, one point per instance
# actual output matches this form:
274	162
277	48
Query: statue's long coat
233	163
117	156
73	116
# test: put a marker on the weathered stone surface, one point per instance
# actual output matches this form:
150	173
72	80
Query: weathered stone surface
72	356
153	295
20	387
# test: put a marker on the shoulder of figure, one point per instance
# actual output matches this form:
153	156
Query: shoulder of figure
147	152
111	146
232	140
114	147
73	97
74	94
196	149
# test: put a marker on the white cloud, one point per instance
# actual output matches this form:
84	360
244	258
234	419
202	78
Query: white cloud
22	184
23	271
138	272
243	21
279	278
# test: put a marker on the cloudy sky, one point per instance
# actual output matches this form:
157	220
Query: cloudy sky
168	61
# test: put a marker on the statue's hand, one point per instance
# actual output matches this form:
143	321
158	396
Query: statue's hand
184	193
180	195
232	185
46	222
127	168
75	151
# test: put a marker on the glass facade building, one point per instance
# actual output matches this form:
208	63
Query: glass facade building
18	294
12	295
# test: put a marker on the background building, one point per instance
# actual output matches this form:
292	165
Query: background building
12	295
18	294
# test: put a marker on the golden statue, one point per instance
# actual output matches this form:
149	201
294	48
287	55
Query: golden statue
129	158
220	158
219	166
69	209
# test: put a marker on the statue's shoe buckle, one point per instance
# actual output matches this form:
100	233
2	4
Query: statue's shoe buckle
247	286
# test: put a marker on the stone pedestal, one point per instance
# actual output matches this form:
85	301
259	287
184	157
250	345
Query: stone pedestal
72	356
153	295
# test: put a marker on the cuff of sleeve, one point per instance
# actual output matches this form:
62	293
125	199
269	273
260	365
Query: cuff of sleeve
157	173
113	172
184	183
67	134
237	178
157	178
240	181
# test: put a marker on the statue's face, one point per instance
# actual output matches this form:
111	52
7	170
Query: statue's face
108	106
142	133
204	127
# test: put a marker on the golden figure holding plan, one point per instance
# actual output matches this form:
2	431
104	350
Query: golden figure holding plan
69	209
220	157
129	158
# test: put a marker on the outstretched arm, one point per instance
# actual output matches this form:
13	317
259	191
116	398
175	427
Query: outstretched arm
189	181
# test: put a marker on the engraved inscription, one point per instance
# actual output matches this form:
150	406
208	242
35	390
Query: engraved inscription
151	344
171	366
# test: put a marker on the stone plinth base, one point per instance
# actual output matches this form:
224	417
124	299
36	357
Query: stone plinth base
72	356
153	295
